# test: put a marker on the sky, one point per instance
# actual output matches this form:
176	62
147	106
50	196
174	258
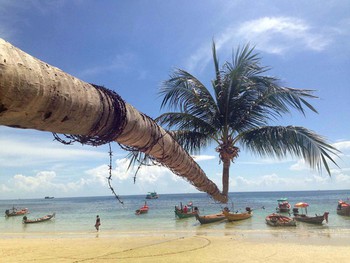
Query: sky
133	46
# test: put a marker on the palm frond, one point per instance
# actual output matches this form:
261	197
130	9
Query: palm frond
182	90
279	141
265	100
191	141
188	122
188	95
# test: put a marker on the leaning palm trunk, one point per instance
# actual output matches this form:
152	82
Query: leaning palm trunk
38	96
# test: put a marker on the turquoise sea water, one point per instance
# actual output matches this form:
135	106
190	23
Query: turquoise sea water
76	216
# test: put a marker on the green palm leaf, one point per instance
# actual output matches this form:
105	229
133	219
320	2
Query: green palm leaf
279	142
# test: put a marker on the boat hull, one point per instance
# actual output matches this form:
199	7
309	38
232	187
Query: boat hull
186	211
343	208
152	195
207	219
344	211
283	210
318	220
180	214
279	220
16	212
237	216
38	220
142	210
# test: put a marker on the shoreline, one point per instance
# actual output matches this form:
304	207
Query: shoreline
280	234
169	247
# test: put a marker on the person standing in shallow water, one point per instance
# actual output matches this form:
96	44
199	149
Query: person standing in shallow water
98	223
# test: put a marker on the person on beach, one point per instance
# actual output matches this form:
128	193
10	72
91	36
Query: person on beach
98	223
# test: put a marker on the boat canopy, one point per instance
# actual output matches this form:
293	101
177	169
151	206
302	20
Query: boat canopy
301	204
343	203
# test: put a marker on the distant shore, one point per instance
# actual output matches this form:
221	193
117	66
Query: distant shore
173	247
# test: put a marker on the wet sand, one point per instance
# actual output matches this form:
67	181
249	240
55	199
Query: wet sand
171	247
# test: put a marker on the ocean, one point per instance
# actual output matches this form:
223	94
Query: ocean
76	216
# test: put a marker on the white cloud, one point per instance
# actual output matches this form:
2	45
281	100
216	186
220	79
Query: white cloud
120	62
145	175
199	158
341	176
300	165
267	182
47	182
33	183
280	34
16	152
98	174
268	161
342	146
199	59
121	170
317	179
276	35
301	181
342	179
4	188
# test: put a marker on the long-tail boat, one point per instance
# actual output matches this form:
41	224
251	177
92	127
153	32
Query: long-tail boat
303	217
206	219
343	208
280	220
186	211
237	216
16	212
142	210
283	206
38	220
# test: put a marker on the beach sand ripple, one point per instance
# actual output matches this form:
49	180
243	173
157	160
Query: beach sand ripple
165	248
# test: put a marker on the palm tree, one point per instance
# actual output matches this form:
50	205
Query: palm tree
35	95
236	113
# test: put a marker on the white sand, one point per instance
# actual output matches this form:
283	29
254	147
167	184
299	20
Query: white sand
165	247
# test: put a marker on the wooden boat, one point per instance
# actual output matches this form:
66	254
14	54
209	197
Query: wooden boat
206	219
16	212
343	208
38	220
142	210
312	219
280	220
230	216
152	195
283	205
303	217
186	211
180	214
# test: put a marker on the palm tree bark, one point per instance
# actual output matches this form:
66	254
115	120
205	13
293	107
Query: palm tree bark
225	176
38	96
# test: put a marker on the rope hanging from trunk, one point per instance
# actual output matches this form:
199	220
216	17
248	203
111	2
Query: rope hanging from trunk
109	178
116	105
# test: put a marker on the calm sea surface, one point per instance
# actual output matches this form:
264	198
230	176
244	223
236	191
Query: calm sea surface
76	216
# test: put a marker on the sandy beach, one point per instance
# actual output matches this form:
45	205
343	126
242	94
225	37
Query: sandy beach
166	247
159	236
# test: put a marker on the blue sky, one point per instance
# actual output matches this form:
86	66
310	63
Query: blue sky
132	46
